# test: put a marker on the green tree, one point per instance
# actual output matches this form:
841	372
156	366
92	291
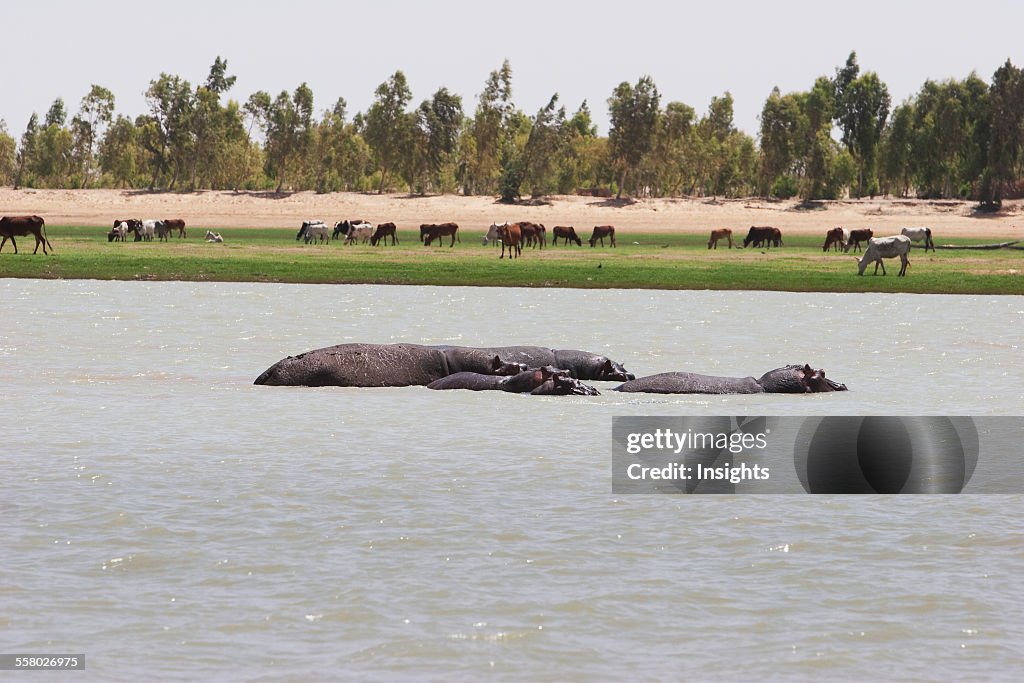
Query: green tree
119	151
95	113
27	152
440	120
634	117
172	104
861	110
1006	98
488	137
781	121
287	124
388	125
8	156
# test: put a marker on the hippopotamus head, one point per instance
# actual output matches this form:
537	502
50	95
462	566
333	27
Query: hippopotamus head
797	379
500	367
817	382
561	383
613	372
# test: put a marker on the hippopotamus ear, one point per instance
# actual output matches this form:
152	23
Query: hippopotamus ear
496	363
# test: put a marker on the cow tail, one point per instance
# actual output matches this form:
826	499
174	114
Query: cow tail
42	231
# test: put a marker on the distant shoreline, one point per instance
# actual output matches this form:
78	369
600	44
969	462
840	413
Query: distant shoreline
222	209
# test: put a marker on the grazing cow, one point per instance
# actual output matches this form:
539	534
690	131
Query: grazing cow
834	238
147	230
492	234
134	225
430	232
567	233
533	234
763	235
119	232
342	227
359	232
600	232
213	237
512	237
163	233
175	224
383	231
311	230
918	234
318	232
20	226
723	234
886	247
856	237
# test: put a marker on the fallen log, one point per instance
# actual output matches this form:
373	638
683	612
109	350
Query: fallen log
1000	245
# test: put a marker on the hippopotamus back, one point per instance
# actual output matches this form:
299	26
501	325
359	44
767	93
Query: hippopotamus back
692	383
359	365
580	364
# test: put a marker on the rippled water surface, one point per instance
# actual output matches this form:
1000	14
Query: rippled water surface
170	520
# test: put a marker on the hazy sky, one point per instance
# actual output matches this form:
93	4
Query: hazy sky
693	51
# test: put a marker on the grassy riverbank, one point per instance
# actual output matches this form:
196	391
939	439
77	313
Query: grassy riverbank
642	260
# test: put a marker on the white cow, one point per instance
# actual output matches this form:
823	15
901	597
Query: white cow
493	233
119	233
148	230
359	231
918	234
886	247
318	231
213	237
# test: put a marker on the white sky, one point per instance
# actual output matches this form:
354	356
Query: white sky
693	51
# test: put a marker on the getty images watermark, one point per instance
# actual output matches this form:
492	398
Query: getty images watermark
837	454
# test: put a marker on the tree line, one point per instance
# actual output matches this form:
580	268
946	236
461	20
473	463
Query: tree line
843	136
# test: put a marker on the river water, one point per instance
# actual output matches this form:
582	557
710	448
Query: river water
169	520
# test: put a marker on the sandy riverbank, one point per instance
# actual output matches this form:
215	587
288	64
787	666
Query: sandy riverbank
209	209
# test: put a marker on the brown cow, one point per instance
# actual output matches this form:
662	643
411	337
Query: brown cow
383	231
856	237
834	239
20	226
429	232
568	234
511	236
758	236
723	234
171	224
602	231
534	234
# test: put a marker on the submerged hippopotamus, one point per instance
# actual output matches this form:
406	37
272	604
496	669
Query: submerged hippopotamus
399	365
538	381
382	365
580	364
791	379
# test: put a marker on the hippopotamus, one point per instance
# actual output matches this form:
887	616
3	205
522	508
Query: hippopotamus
580	364
382	365
399	365
791	379
538	381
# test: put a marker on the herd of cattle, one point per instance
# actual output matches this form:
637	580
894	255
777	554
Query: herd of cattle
842	238
512	236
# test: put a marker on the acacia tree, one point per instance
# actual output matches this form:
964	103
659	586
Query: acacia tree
1006	98
169	136
634	117
440	119
287	123
861	110
95	112
388	126
489	136
8	155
